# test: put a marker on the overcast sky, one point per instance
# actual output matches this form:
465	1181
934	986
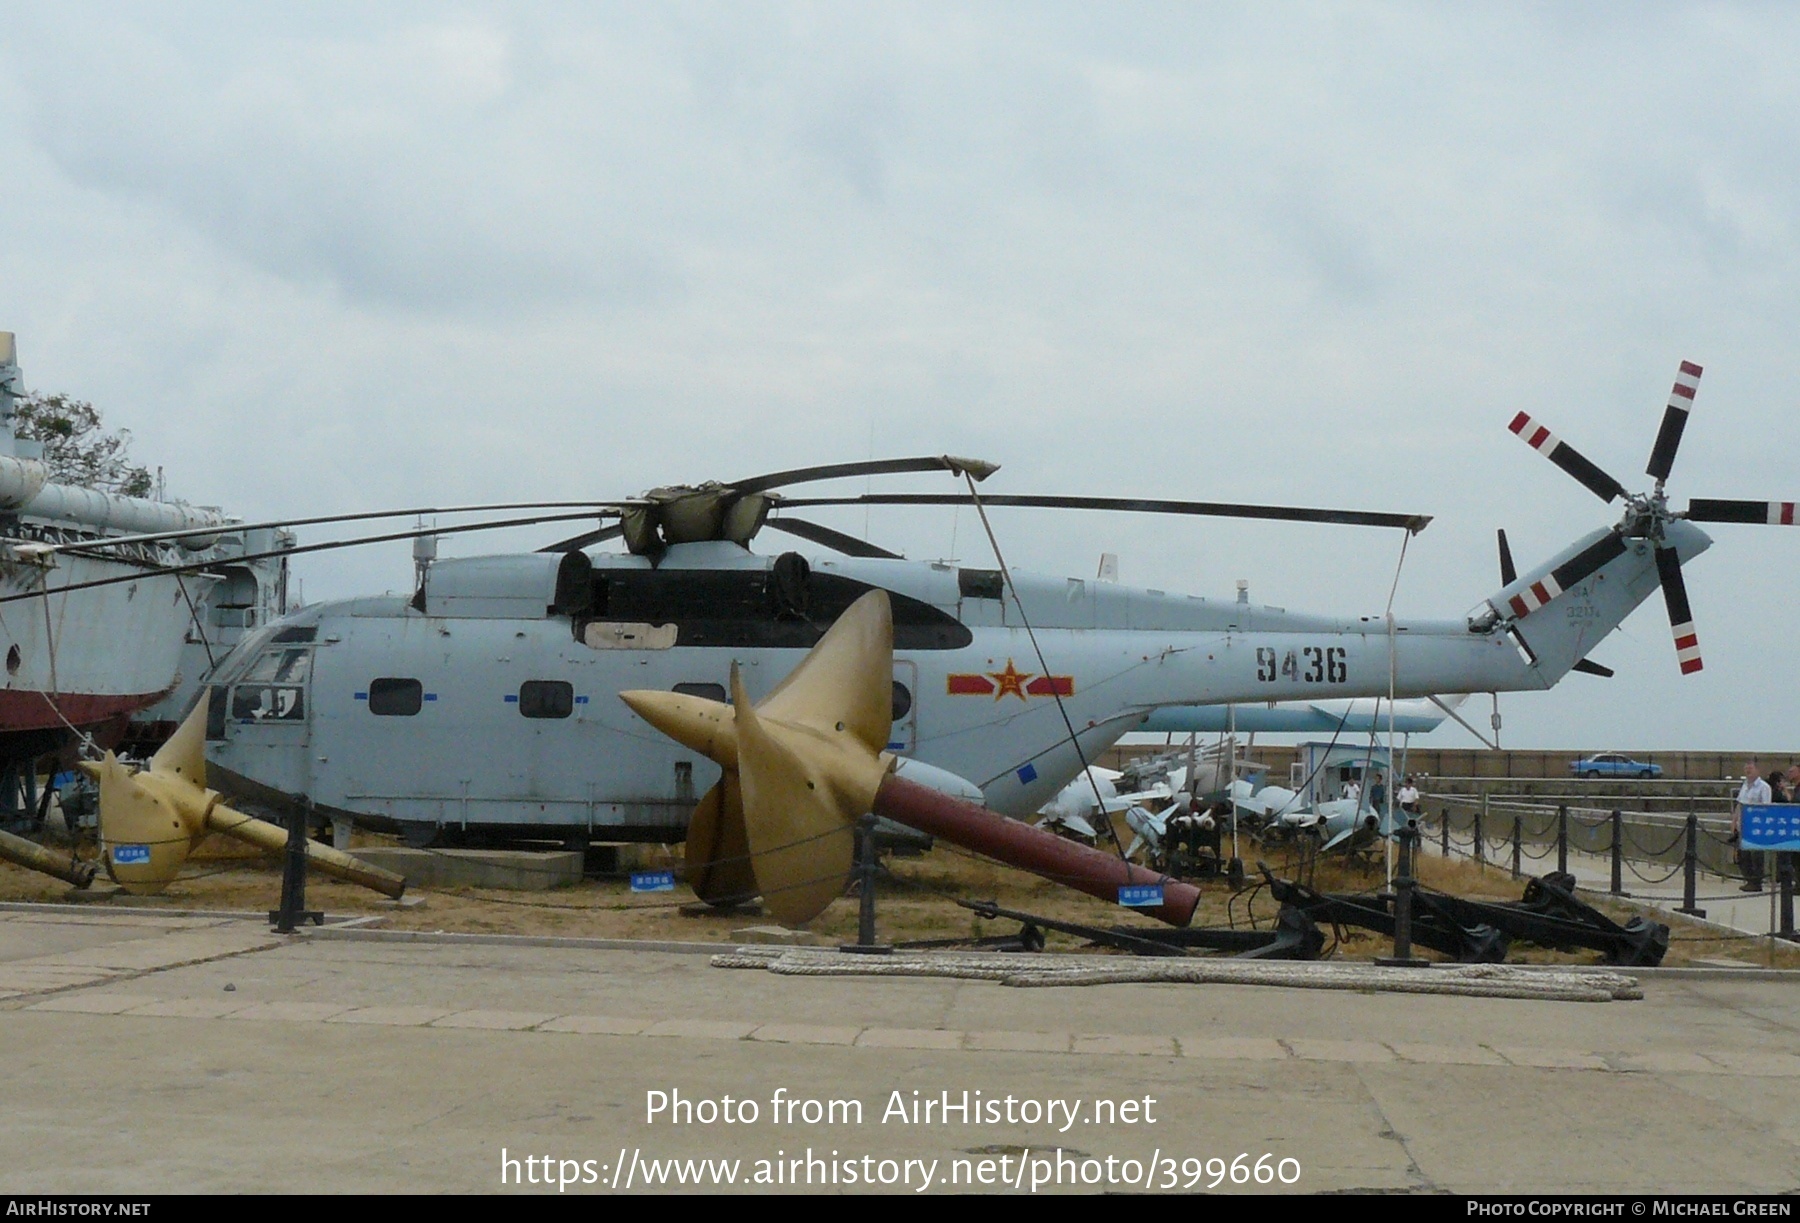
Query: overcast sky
354	256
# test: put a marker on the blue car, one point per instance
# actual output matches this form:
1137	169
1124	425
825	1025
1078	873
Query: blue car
1612	764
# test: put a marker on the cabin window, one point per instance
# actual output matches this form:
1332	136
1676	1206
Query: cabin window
396	698
980	583
902	700
546	698
711	692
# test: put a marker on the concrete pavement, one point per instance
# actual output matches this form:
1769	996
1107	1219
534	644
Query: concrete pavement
337	1063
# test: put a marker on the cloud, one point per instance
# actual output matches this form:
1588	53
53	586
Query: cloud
1291	253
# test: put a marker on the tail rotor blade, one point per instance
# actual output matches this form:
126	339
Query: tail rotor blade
1681	617
1761	513
1588	666
1566	457
1574	571
1509	572
1675	416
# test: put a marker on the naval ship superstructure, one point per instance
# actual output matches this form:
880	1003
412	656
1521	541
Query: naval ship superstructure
85	663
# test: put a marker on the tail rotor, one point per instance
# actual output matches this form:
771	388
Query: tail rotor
1647	517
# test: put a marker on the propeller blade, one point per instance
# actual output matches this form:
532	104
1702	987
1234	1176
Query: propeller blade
1762	513
718	848
1675	416
1571	572
1588	667
1681	617
1358	518
576	543
824	536
807	761
873	467
1509	572
1566	457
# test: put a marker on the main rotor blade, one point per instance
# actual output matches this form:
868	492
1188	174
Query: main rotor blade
577	542
1358	518
872	467
1681	617
594	507
330	545
1566	457
1769	513
1675	416
1573	571
849	545
1509	572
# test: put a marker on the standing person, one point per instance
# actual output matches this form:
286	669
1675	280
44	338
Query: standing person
1409	797
1378	794
1754	792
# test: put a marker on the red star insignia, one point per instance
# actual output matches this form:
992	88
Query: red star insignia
1011	680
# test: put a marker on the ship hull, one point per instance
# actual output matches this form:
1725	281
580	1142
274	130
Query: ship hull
87	660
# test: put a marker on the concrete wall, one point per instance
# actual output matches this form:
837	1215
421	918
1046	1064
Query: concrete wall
1522	765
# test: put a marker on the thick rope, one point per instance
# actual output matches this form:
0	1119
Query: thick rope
1466	980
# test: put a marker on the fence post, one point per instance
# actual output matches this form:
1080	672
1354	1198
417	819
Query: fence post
867	868
1784	871
1404	885
1562	838
1444	831
1618	852
1690	866
1518	844
1481	829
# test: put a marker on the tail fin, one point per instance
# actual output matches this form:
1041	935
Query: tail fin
1560	630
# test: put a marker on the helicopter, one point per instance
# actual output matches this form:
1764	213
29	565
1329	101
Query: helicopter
485	704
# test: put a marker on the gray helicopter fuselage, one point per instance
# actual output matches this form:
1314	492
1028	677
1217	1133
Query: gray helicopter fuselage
489	701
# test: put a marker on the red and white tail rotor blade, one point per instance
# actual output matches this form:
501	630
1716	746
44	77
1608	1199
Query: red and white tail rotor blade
1762	513
1675	417
1681	616
1572	572
1565	456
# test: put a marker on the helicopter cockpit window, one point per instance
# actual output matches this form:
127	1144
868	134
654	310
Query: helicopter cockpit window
711	692
396	698
546	698
274	686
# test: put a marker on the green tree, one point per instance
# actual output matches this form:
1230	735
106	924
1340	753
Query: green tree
77	447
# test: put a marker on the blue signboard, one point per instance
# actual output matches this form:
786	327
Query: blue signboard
1141	895
130	855
1771	826
653	881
